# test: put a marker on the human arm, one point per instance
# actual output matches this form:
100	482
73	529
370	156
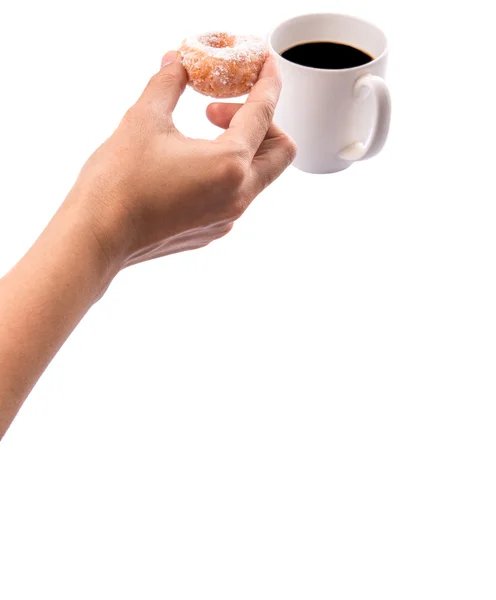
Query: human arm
146	192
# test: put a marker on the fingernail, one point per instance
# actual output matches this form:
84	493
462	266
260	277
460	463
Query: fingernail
169	58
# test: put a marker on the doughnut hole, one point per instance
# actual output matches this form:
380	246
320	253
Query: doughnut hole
217	40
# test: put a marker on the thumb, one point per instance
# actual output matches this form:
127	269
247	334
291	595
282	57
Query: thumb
166	86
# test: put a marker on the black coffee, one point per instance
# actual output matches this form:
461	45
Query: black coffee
326	55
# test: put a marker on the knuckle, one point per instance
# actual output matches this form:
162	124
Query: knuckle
163	79
167	77
272	90
232	171
236	172
242	155
237	208
276	83
273	96
233	206
272	87
268	107
236	151
290	147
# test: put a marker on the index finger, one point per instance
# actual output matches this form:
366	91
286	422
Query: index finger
252	121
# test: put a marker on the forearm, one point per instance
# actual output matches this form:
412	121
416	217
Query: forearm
148	191
43	298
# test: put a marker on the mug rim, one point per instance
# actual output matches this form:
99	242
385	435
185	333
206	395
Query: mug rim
329	14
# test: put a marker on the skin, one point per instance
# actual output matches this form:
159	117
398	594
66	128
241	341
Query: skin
147	192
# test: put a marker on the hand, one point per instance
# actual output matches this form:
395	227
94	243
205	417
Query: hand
151	191
146	192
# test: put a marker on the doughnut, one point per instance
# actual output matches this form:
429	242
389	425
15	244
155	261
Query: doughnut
223	65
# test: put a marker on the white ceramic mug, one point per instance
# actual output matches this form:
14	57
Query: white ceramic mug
335	116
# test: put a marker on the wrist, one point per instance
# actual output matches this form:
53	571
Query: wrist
103	213
90	239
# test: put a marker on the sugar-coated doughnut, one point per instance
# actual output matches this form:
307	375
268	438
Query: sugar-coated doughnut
223	65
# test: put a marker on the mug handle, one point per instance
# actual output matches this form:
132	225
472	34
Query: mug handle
363	150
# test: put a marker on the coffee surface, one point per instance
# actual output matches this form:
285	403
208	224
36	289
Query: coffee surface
326	55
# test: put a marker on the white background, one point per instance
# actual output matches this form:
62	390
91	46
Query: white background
304	409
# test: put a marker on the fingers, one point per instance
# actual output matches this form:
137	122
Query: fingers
274	154
166	86
250	124
221	113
